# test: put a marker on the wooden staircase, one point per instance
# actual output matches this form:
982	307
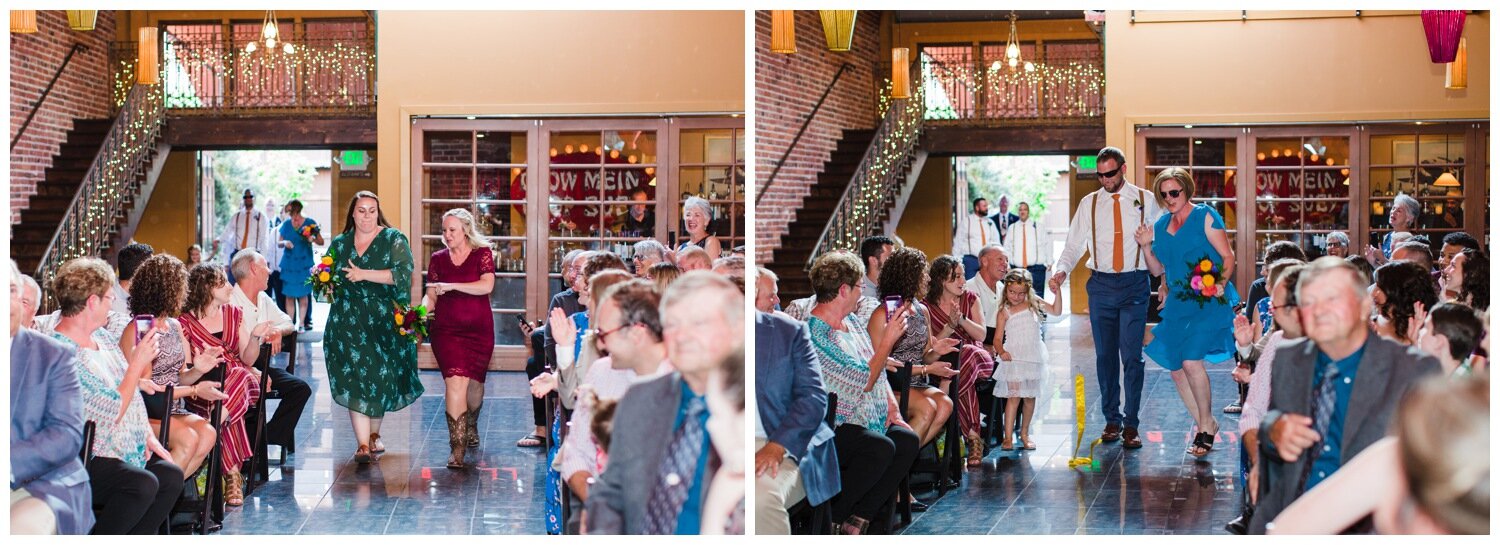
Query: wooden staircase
789	262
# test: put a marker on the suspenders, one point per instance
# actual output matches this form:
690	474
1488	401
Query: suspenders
1094	228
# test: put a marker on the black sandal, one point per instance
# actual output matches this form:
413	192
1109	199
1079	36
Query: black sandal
1203	443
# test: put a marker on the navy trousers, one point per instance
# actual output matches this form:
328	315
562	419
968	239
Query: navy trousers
1038	279
1117	314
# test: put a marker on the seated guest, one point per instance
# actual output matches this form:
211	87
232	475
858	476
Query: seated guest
1366	270
1260	288
542	349
31	299
957	317
794	451
1313	400
1451	332
724	504
132	477
1287	327
1338	244
1413	251
928	405
1453	243
694	259
1467	278
766	292
258	308
627	314
875	445
985	285
159	290
210	322
873	251
129	259
697	217
663	274
647	253
1430	477
732	265
1402	289
46	430
659	426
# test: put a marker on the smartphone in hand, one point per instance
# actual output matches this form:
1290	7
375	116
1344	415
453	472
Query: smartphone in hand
892	302
143	323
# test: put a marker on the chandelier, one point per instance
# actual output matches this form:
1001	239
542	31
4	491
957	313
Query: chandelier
270	34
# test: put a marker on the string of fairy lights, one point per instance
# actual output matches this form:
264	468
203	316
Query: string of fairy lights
330	72
875	178
1073	87
85	228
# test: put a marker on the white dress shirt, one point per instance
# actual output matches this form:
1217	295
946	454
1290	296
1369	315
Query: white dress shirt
258	236
121	304
1025	245
973	233
262	310
989	297
273	245
1137	207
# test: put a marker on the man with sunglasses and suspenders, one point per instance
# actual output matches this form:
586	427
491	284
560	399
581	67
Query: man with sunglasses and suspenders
1118	289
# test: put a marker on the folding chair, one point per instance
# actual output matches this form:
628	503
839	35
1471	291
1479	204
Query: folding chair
257	468
87	452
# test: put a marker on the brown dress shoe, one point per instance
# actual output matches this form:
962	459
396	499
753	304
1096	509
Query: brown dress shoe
1111	433
1132	438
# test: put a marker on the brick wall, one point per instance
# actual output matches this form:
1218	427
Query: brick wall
81	93
786	88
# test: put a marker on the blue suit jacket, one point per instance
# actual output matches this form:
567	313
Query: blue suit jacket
792	403
46	430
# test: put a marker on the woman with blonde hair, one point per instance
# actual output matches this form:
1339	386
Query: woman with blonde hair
663	274
460	278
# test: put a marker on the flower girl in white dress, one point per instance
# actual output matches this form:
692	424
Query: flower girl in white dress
1023	356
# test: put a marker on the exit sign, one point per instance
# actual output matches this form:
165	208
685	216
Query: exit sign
354	159
1087	163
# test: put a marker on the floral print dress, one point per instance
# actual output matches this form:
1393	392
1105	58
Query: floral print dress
371	368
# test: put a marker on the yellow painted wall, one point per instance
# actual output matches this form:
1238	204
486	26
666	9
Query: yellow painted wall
927	223
1337	68
170	222
548	63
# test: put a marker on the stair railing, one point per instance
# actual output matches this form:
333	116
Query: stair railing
45	92
878	176
805	122
112	177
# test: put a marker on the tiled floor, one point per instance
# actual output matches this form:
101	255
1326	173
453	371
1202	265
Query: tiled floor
410	491
1158	489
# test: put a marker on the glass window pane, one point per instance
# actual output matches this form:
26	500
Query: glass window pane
429	245
509	292
707	146
448	147
1380	214
1330	215
510	256
1325	182
1440	148
1167	152
433	214
575	148
1326	150
620	184
501	220
497	147
1433	182
1214	152
1212	184
630	221
1393	149
1278	152
1387	181
739	146
1278	214
575	184
630	147
447	183
573	220
501	184
1442	214
507	331
712	183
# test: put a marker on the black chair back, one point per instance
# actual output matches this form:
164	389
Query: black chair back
87	452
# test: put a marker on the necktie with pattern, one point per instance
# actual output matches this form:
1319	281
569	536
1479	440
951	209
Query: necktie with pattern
675	474
1322	409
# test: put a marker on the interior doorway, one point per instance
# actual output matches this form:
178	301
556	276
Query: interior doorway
1038	181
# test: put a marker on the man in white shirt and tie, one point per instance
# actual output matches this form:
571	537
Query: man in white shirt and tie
1119	288
1024	243
974	231
247	230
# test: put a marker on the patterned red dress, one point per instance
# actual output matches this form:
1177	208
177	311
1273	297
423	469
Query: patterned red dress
463	330
238	383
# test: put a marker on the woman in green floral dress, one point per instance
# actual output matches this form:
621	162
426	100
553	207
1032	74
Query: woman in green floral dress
371	368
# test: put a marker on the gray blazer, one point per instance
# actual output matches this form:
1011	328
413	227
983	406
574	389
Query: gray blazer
46	430
1386	370
792	404
637	445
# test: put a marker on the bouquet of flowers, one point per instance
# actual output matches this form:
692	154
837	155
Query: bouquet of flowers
324	280
411	321
310	231
1205	283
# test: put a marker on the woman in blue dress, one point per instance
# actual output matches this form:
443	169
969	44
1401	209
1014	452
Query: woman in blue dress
1189	244
298	234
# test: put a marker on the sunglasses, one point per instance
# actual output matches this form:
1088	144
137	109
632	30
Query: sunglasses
1111	173
1172	193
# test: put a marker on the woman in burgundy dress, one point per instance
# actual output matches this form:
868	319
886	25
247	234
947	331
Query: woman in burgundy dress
459	280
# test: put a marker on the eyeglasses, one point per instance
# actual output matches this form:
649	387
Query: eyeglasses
600	335
1274	307
1172	193
1111	173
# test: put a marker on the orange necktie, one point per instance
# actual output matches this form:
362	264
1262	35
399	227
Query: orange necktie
984	239
1023	246
1119	237
245	238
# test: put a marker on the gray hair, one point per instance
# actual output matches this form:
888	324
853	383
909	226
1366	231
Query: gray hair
992	248
700	204
240	265
733	265
1338	236
762	272
1327	264
30	284
651	248
572	255
1413	208
705	282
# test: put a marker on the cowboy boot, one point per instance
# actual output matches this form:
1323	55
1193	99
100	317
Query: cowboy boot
456	430
471	433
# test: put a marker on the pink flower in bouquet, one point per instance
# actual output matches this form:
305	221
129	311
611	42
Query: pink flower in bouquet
1197	283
